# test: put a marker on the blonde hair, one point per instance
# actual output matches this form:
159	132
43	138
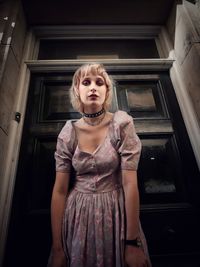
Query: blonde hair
83	71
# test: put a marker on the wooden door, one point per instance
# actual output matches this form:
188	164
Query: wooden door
168	174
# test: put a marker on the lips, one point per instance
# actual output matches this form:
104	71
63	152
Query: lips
93	95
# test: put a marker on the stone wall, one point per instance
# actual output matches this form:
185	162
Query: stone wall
13	31
183	28
12	40
188	50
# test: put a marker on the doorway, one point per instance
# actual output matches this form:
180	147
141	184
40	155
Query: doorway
168	174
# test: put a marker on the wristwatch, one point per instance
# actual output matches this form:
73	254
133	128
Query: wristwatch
134	242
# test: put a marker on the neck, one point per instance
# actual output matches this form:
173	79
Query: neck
95	117
91	110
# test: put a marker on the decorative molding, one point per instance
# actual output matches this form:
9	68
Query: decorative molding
164	44
97	32
162	126
135	77
114	64
157	208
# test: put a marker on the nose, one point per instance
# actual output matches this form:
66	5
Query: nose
93	90
92	87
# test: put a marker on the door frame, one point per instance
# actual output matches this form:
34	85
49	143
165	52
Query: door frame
30	64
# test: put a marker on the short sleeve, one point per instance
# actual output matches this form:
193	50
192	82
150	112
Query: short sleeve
63	153
130	145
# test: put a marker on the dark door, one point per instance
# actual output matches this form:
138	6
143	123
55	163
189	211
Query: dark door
168	174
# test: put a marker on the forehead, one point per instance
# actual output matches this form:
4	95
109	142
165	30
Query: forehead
92	76
89	70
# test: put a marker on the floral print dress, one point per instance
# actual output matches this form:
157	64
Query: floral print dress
93	229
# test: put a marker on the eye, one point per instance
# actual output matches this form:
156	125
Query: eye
99	82
86	82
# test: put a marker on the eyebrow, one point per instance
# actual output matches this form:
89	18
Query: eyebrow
98	77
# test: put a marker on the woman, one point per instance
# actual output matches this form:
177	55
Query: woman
96	223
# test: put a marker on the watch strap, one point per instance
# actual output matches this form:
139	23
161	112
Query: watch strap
134	242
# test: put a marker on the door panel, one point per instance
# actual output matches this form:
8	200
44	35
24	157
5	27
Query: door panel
160	171
168	175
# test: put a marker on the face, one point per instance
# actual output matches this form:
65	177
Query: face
92	91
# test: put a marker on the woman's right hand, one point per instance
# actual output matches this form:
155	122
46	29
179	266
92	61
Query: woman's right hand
58	259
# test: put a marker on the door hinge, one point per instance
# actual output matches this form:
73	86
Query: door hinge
17	117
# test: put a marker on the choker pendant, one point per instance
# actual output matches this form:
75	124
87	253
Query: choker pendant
94	115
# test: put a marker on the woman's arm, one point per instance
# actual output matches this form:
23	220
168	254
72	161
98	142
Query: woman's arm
134	256
129	180
59	194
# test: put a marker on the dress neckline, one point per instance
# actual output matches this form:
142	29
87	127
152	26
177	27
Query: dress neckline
101	143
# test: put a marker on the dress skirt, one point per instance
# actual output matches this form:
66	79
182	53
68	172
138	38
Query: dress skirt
93	229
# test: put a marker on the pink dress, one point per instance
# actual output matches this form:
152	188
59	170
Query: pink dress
93	229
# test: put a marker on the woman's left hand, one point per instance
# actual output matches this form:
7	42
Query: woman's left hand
135	257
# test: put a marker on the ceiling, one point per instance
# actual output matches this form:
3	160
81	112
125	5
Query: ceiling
91	12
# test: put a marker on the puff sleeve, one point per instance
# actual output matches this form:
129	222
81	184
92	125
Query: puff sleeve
63	153
130	145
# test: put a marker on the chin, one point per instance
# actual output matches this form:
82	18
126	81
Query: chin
94	104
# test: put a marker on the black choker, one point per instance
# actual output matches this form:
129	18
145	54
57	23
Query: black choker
94	115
